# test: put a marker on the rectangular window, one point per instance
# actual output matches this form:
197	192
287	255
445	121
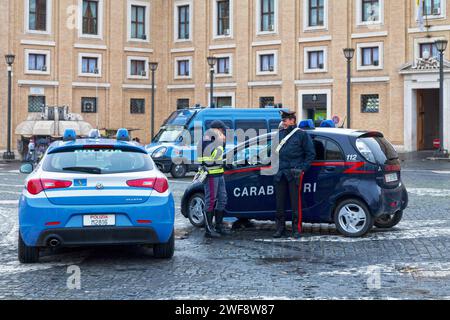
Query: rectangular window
137	106
90	17
428	50
265	102
36	103
37	15
89	105
182	104
370	56
370	103
138	68
267	15
37	62
267	63
316	13
223	17
221	102
370	10
89	65
138	22
315	60
223	65
183	68
183	22
432	7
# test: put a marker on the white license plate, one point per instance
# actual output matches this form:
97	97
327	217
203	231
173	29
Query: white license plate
391	177
99	220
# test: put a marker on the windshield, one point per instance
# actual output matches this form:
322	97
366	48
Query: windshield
180	118
97	162
168	135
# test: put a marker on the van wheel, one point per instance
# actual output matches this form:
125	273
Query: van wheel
178	171
27	254
352	218
388	221
196	208
165	250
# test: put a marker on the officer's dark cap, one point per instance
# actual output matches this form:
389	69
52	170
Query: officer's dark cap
218	124
288	115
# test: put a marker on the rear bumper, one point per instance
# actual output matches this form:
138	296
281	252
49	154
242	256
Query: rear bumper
392	201
98	236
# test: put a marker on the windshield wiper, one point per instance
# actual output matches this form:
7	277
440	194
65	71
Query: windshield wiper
92	170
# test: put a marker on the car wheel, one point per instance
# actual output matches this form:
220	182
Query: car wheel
27	254
388	221
178	171
196	208
165	250
352	218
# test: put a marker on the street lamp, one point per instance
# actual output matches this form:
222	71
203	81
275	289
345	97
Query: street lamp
8	155
212	62
153	68
349	54
441	46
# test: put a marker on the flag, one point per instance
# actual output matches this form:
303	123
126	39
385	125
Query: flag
420	13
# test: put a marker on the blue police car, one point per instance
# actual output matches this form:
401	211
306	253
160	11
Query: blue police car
95	191
354	182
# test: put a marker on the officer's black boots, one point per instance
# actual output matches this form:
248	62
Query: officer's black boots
295	231
209	230
219	224
281	229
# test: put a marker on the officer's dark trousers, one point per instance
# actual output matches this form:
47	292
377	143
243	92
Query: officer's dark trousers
284	190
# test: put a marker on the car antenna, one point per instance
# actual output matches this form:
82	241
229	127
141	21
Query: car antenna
343	123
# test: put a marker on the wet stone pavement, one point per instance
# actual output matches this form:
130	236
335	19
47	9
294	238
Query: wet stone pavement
411	261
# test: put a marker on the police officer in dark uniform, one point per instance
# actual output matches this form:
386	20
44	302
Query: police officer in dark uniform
296	152
211	156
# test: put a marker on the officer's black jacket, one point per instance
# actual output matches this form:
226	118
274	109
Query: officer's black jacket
297	153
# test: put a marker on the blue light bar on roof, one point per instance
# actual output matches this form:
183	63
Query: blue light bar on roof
307	124
328	124
70	135
123	135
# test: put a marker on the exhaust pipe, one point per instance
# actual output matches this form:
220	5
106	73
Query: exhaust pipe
54	242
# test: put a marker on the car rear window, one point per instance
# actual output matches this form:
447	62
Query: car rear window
381	149
96	161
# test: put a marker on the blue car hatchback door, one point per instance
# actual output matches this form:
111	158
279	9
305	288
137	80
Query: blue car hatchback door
95	192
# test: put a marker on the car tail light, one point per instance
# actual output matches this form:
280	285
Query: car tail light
161	185
36	186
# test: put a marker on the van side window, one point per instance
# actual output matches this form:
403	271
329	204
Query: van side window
251	124
327	150
228	123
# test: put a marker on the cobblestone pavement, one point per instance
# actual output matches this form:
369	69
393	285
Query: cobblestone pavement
411	261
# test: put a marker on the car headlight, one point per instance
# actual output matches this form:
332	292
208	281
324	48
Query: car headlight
159	153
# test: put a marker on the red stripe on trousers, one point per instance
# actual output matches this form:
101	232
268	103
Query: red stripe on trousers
211	194
300	207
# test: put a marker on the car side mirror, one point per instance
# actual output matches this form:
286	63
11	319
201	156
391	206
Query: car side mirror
26	168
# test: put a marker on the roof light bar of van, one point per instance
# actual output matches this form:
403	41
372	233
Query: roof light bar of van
328	124
123	135
70	135
307	124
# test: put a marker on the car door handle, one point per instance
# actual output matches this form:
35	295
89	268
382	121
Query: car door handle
330	169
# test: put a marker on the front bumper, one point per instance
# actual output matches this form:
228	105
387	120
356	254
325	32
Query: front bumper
164	165
148	223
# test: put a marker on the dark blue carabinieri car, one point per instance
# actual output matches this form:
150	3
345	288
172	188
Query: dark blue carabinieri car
355	182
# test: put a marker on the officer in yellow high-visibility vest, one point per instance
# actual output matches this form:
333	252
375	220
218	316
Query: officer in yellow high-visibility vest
211	156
